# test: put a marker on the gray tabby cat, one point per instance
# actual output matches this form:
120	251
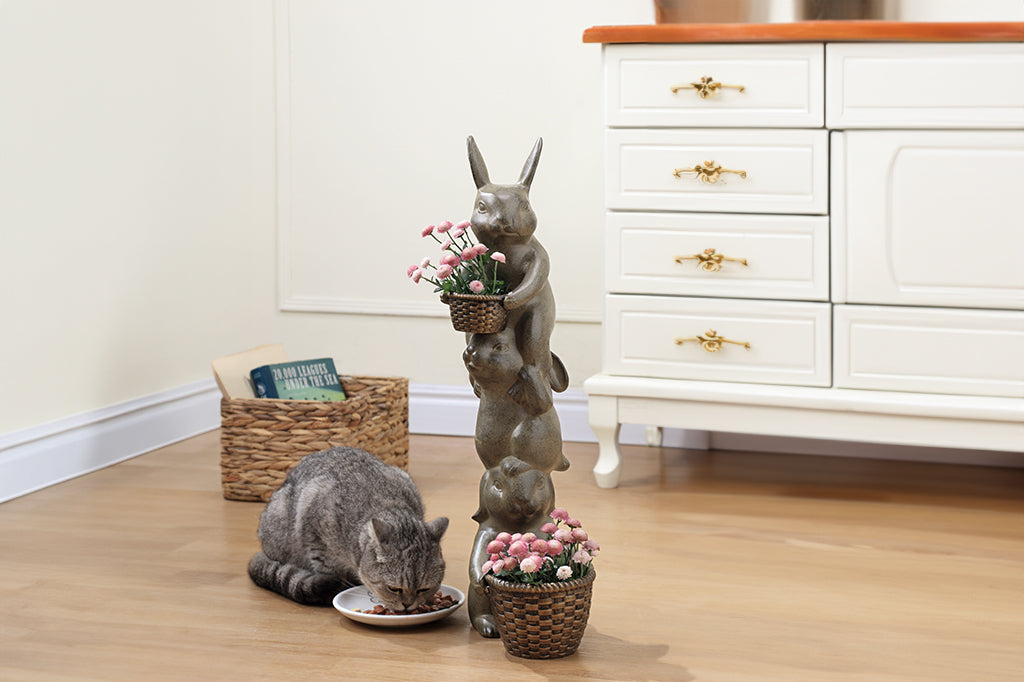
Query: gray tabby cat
341	518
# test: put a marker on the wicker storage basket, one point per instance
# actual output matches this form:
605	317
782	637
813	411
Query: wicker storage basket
541	621
261	440
476	314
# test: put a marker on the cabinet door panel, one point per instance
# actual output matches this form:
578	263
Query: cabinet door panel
754	256
930	218
661	336
772	171
966	352
783	85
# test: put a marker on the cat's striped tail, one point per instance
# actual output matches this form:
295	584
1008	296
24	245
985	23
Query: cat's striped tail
298	584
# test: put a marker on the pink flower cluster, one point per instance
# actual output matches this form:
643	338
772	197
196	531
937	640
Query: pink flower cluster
463	267
566	552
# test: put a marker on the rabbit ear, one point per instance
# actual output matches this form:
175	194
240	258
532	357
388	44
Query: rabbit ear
476	164
530	167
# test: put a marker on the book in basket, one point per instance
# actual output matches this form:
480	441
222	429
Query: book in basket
299	380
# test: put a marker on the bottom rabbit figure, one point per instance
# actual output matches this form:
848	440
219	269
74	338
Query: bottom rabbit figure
514	498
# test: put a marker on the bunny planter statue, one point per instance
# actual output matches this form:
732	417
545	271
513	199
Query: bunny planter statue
514	373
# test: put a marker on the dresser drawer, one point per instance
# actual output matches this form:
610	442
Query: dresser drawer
759	171
700	85
675	337
930	350
874	85
708	254
929	217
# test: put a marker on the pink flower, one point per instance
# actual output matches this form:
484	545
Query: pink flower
579	535
563	573
426	231
503	538
417	276
575	523
496	557
476	286
424	263
592	547
411	269
510	563
487	566
581	556
548	528
480	249
450	259
530	564
560	515
469	253
444	272
554	547
464	225
495	546
446	244
458	232
518	549
539	546
563	535
528	538
498	256
444	227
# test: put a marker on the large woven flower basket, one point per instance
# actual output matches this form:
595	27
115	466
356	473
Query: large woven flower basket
261	440
476	314
541	621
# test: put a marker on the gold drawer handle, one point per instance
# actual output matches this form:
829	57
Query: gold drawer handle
712	342
709	172
710	260
706	87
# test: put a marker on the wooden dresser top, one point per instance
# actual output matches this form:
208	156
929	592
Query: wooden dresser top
810	31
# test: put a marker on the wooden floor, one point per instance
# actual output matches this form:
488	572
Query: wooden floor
715	567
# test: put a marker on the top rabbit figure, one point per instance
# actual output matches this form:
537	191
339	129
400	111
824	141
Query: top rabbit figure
504	221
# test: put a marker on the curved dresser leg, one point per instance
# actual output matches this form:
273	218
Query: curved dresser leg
604	420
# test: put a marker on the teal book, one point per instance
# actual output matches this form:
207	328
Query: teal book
299	380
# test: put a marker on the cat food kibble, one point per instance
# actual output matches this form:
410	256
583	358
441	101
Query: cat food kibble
439	602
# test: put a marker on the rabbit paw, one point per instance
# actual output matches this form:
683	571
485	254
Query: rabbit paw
531	393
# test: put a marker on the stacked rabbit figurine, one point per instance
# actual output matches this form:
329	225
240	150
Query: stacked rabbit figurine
514	373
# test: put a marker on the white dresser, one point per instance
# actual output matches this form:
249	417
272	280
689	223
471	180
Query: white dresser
815	238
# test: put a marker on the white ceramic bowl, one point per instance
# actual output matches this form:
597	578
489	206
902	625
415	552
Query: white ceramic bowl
359	597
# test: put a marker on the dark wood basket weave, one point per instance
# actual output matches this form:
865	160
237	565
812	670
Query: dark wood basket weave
476	314
541	621
261	440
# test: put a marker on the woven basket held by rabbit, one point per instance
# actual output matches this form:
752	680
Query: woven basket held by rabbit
504	221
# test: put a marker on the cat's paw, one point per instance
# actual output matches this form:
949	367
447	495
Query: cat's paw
484	624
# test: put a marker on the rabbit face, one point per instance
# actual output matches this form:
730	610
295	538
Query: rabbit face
493	359
503	215
514	495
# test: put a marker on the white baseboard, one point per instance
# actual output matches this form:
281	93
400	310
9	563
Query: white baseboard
447	410
40	456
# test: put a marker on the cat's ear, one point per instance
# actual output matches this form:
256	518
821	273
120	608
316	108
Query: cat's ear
476	164
530	167
381	530
437	527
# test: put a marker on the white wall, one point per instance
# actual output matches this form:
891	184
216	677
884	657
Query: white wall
138	151
137	180
136	197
